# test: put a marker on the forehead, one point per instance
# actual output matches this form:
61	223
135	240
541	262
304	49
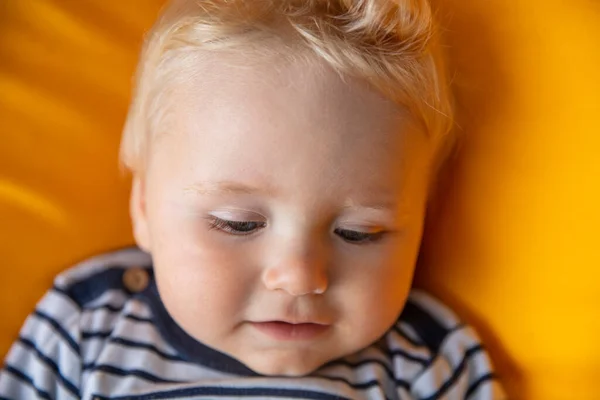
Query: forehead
235	115
253	85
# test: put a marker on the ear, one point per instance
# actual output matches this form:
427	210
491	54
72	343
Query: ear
139	216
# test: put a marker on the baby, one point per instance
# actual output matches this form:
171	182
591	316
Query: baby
283	153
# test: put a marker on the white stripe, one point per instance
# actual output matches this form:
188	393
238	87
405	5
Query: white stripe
40	331
26	361
127	329
112	297
457	343
409	331
406	369
67	362
130	358
363	374
397	342
117	299
430	380
114	386
138	308
61	308
478	365
102	320
14	388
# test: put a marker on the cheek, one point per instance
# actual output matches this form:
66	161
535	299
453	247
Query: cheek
376	307
375	289
205	292
200	278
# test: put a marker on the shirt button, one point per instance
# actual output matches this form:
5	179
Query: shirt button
136	279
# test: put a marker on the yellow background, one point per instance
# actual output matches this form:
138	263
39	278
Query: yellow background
513	245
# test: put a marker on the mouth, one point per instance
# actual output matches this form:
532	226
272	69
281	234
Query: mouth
281	330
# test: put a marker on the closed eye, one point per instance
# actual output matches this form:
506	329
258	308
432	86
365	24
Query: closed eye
357	237
240	228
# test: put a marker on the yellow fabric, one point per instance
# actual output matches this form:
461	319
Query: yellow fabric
513	248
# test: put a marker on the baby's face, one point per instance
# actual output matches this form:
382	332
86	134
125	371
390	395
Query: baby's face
283	209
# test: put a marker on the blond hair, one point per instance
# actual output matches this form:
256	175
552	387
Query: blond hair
390	44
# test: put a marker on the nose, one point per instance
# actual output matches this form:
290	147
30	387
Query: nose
298	270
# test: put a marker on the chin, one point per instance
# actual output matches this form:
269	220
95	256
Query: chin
283	366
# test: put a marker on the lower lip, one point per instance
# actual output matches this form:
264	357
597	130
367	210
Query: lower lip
285	331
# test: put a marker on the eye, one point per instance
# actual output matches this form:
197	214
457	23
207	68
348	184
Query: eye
240	228
357	237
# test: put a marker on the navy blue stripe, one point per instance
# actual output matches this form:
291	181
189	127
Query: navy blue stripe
23	377
425	325
118	309
126	316
229	392
477	384
132	344
88	366
108	307
139	319
357	386
132	372
456	374
147	376
146	346
386	368
52	365
65	293
56	325
95	335
408	356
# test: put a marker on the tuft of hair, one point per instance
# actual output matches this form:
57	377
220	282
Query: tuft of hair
393	45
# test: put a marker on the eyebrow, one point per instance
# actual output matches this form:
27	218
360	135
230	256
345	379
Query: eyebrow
232	187
226	187
379	206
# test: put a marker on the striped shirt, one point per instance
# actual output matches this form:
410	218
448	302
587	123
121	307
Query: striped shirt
102	333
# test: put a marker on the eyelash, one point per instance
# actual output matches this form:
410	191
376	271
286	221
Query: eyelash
238	228
245	228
